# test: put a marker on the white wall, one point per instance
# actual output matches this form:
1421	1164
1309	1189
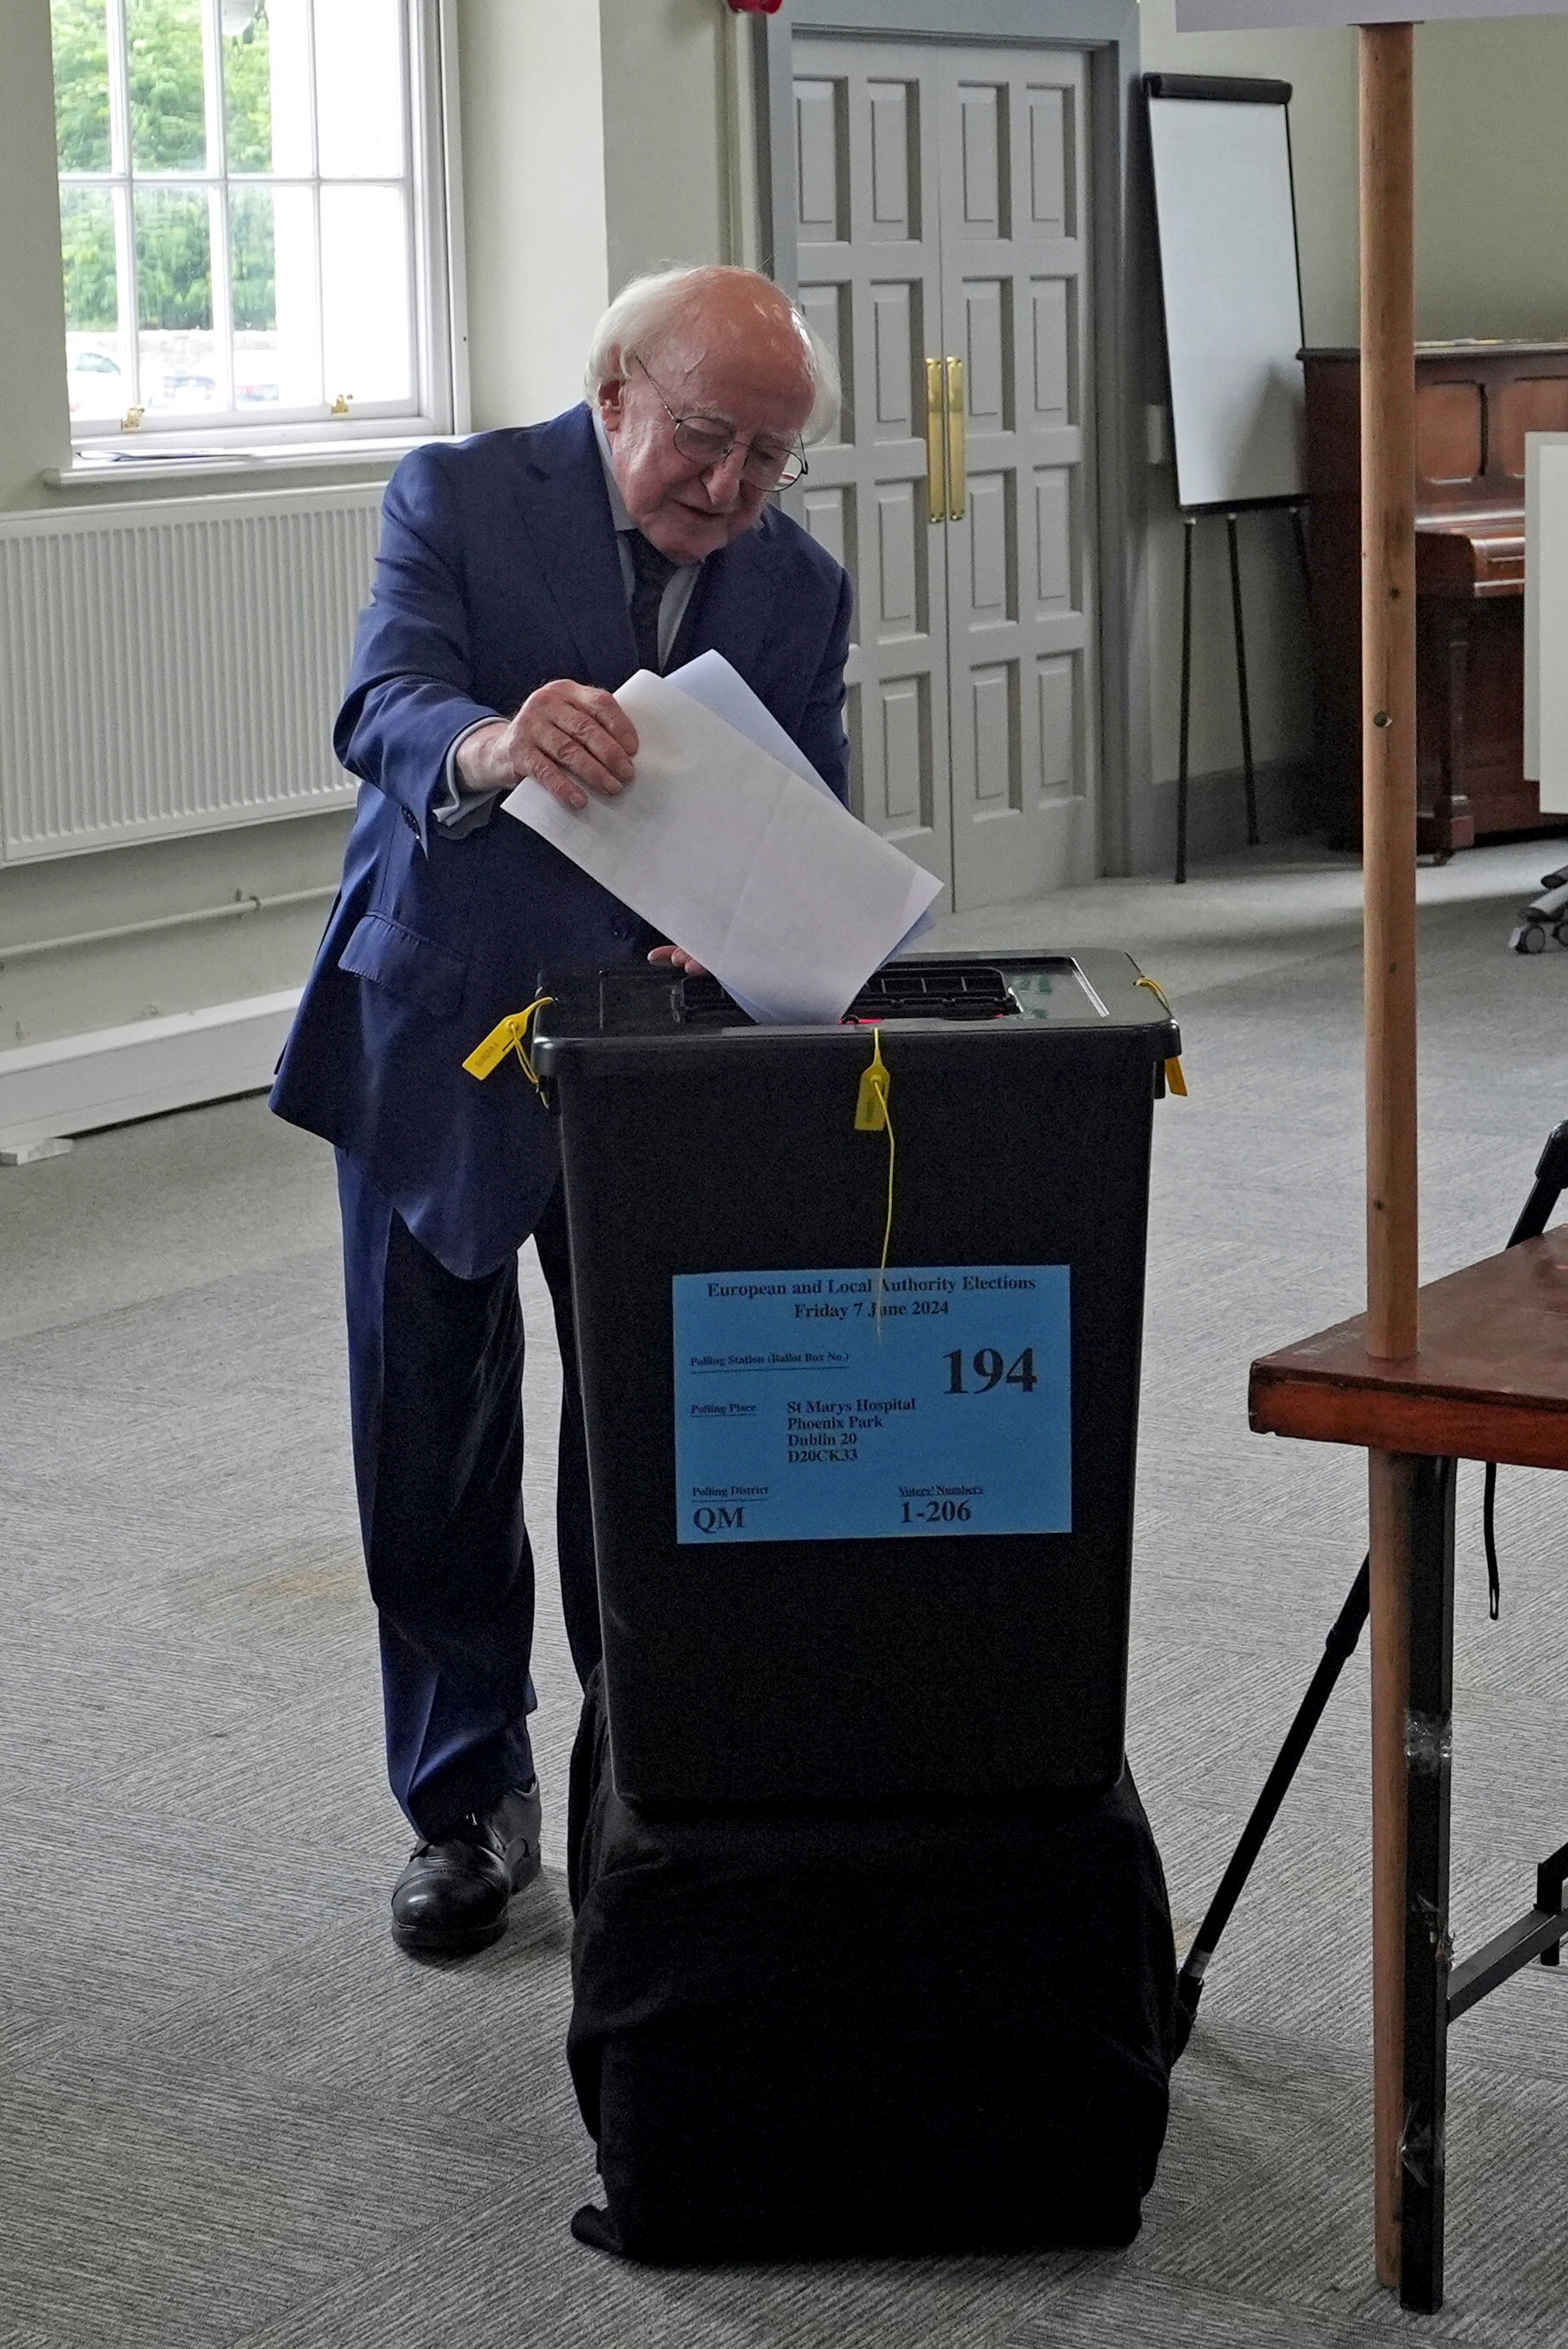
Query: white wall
34	419
1492	179
665	140
533	198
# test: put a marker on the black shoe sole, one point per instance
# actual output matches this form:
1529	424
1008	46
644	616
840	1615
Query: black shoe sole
438	1941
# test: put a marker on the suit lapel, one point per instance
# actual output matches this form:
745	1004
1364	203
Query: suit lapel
566	514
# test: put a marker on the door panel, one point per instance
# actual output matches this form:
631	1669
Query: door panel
1051	176
941	208
819	163
869	265
1021	647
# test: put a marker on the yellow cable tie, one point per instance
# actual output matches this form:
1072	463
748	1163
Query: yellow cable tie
876	1083
510	1035
1175	1081
873	1115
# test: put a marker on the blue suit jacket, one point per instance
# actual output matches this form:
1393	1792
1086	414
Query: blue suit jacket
498	571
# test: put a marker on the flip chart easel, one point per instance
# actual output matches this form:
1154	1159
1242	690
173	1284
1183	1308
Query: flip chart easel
1230	282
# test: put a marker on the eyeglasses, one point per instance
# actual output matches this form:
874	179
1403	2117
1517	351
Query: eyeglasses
705	443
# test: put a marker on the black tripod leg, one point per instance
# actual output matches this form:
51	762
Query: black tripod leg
1243	697
1337	1648
1189	527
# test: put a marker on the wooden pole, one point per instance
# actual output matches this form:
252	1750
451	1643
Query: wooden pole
1389	818
1388	677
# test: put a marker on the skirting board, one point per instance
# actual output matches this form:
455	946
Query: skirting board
77	1084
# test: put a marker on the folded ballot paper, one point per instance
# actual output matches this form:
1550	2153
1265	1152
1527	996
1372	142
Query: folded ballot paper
731	845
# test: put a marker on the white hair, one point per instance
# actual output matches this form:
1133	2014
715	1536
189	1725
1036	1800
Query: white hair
647	308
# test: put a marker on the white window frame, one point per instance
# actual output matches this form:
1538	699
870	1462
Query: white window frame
437	329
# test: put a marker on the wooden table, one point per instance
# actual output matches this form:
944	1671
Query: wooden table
1490	1382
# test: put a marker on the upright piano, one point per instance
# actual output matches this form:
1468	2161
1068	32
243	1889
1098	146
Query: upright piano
1474	404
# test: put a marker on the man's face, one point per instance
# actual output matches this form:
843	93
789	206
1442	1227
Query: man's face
751	383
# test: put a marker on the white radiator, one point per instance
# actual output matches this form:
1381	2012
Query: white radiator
176	667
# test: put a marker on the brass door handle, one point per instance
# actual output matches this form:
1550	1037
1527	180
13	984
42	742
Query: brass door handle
935	443
957	477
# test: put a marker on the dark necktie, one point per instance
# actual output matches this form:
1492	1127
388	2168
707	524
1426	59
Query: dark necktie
652	571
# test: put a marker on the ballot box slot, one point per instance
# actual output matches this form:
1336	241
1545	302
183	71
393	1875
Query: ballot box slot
955	990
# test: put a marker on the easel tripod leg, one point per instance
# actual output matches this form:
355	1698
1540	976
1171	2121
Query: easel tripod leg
1190	525
1242	696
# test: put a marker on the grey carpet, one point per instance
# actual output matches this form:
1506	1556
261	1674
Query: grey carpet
235	2117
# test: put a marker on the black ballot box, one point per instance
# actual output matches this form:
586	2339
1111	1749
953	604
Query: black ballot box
860	1395
928	2028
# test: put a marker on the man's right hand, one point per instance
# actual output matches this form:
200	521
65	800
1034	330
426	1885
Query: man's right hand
572	739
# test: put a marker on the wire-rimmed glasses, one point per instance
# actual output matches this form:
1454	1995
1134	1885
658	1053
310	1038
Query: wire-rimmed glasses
705	443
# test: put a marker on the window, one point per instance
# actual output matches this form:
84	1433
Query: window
251	227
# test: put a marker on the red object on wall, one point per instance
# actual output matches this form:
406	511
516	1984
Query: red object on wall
756	7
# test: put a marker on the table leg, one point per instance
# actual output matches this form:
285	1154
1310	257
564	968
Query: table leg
1428	1947
1391	1512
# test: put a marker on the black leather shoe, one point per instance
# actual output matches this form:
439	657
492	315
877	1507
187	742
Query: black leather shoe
454	1894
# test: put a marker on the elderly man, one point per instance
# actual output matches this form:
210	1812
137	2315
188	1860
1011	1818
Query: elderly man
522	575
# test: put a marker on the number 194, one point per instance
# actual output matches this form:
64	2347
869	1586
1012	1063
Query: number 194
987	1369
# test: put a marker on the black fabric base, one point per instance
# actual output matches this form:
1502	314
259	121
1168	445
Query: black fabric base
844	2032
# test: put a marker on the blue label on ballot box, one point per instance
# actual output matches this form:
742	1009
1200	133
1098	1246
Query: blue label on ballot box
801	1414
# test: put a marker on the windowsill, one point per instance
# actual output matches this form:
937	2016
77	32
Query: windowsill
91	467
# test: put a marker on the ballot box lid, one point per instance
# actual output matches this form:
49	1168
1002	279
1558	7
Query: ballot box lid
1003	995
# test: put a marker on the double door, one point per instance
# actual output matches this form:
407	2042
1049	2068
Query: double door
943	256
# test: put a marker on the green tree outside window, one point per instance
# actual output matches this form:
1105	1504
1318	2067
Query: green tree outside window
168	108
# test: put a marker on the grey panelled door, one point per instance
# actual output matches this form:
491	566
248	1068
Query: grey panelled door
941	218
870	286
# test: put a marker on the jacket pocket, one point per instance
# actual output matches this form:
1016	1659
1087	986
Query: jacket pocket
418	969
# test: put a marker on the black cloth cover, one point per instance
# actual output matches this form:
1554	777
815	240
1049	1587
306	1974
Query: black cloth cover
916	2030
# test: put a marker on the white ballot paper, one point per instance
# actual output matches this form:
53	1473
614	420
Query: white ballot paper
733	854
711	681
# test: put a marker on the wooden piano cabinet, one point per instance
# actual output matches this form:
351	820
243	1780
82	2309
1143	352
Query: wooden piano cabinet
1474	404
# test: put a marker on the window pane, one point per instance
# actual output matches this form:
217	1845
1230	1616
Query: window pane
167	102
247	86
266	86
95	376
364	293
81	84
272	235
359	88
174	299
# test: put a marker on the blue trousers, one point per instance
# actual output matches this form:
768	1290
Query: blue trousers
435	1374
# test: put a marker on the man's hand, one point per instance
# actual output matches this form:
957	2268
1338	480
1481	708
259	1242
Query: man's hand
572	739
680	960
